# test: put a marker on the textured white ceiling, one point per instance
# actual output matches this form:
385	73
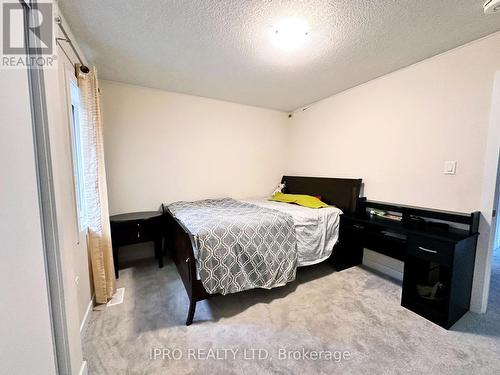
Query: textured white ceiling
221	49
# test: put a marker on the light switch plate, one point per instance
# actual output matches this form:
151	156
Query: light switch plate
450	167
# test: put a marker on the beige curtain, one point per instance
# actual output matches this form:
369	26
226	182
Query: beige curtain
99	233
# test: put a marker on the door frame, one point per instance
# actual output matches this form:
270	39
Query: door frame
46	197
490	192
496	244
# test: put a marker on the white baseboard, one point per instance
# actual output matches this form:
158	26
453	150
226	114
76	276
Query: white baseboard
86	316
384	264
84	370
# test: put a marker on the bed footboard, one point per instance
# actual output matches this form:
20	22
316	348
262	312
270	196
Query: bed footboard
180	244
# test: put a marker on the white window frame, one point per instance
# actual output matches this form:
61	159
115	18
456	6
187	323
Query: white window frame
73	102
77	150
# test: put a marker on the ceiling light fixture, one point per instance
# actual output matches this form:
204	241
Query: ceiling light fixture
290	34
491	6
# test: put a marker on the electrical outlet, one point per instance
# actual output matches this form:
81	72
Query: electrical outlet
450	167
77	280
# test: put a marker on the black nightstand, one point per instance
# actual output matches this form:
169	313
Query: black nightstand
137	227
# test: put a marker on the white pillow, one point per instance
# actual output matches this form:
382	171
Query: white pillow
278	189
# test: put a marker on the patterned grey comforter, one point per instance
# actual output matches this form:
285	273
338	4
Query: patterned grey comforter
240	246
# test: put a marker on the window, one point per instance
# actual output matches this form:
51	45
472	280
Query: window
78	161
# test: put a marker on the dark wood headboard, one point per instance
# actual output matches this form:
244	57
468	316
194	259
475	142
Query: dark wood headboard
340	192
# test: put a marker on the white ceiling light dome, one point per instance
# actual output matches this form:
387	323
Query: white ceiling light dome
491	6
290	34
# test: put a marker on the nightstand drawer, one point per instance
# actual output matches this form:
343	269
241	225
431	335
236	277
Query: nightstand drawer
137	232
431	249
132	232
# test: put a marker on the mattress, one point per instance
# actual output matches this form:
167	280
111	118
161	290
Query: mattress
316	230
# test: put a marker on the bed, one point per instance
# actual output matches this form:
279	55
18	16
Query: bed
316	230
286	236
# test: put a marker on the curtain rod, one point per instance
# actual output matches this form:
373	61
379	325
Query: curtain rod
66	38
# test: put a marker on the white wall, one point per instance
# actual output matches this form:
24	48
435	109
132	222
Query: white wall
162	147
26	345
396	132
61	106
64	201
73	242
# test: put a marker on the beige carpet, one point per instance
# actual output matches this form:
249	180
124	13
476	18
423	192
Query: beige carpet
356	310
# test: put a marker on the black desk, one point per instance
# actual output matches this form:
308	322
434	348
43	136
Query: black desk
439	260
137	227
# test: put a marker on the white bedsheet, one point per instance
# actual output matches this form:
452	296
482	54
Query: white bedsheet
317	230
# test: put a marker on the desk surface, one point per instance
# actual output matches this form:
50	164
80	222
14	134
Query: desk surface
451	234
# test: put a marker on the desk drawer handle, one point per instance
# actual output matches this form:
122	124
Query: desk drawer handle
359	226
427	250
138	234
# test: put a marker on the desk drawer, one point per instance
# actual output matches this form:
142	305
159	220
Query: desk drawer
431	249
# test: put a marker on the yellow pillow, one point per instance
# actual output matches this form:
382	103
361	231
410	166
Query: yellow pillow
300	199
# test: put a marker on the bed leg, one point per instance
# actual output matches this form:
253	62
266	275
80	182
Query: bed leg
192	308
